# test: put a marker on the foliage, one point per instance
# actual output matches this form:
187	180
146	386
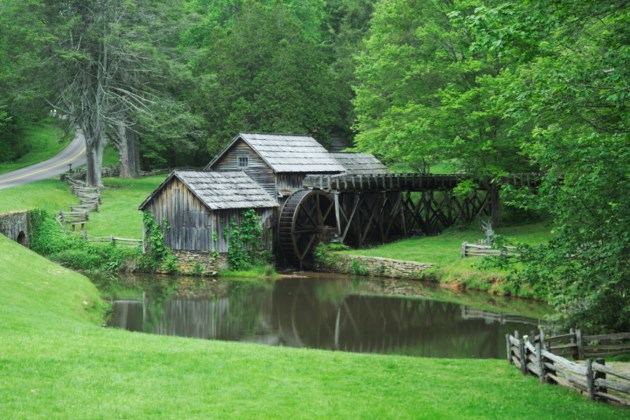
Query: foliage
245	242
251	66
48	239
357	269
566	84
156	254
424	96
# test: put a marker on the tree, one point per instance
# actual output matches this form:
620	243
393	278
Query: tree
423	96
264	70
106	57
566	87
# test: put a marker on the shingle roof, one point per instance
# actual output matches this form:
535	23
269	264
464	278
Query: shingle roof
283	153
221	190
360	164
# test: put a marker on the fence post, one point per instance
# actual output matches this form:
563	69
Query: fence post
600	375
573	344
541	363
508	347
542	339
590	386
464	245
580	344
521	350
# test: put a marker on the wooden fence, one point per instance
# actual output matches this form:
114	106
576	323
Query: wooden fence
113	240
533	354
476	250
73	218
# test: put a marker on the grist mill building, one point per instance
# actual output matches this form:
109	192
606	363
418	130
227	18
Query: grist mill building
257	171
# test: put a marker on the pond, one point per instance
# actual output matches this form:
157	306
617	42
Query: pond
330	312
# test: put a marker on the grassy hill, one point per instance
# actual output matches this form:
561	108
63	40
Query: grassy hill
57	361
41	140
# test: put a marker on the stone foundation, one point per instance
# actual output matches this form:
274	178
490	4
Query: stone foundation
190	262
15	226
373	266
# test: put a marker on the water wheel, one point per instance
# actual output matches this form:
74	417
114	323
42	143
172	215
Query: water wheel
307	217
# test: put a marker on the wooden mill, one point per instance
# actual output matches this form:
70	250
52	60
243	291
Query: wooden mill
306	195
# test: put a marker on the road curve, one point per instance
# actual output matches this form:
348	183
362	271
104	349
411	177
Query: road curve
73	154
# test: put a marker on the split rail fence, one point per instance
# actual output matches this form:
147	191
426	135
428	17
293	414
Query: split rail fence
113	240
537	355
476	250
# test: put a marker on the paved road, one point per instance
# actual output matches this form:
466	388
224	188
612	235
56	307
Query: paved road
73	154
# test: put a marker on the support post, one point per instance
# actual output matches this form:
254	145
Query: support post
521	350
590	386
580	344
600	375
541	363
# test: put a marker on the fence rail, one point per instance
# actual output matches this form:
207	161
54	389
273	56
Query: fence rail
534	355
475	250
113	240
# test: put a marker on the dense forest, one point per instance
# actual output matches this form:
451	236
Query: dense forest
491	86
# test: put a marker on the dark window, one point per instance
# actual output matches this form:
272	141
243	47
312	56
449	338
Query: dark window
243	161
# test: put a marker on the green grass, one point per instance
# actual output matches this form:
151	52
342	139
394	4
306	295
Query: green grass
43	140
444	251
56	361
118	214
51	195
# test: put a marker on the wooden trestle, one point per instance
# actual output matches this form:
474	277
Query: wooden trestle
381	208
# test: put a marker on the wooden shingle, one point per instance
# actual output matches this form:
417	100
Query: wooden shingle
360	164
287	154
220	190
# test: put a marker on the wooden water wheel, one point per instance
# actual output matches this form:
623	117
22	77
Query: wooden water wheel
306	219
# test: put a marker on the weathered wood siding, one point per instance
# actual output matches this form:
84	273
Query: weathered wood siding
190	222
192	225
257	169
289	182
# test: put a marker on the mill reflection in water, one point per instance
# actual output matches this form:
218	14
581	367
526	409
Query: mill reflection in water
334	314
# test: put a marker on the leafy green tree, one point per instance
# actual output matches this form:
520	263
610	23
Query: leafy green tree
566	90
424	96
263	70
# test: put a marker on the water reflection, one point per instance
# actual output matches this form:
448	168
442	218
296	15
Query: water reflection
335	314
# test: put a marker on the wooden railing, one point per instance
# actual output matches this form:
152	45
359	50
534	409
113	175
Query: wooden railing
113	240
534	354
476	250
73	218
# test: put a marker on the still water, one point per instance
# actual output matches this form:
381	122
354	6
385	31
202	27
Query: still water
334	313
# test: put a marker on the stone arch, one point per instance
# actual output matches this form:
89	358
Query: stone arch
22	239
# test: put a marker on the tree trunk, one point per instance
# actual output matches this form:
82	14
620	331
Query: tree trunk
94	147
127	146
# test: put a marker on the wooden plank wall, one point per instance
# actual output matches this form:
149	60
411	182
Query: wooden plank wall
192	225
257	168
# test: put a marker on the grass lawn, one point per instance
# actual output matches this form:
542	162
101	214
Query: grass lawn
445	252
44	140
118	214
51	195
57	361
